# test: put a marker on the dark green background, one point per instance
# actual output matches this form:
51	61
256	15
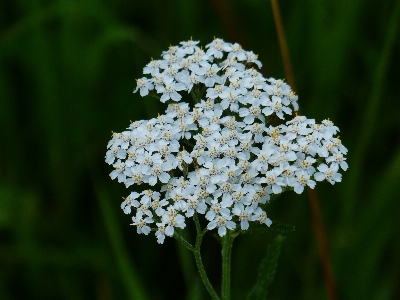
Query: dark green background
67	72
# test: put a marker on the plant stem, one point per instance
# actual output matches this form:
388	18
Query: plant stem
227	242
199	262
183	241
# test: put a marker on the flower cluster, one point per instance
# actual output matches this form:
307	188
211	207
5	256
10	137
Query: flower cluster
219	157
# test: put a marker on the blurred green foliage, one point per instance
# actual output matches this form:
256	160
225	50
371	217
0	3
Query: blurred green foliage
67	71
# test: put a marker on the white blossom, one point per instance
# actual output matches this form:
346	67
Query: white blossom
220	156
141	222
223	223
328	173
144	85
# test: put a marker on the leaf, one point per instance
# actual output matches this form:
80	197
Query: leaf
275	227
266	270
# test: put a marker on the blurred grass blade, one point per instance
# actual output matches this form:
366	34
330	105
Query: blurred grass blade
371	113
133	286
370	221
266	270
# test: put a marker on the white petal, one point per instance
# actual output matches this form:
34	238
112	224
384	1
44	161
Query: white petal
164	98
164	177
319	176
152	180
144	91
209	82
298	188
244	225
211	225
277	189
222	231
175	96
231	225
169	230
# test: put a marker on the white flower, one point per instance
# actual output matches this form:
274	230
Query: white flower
190	79
215	169
292	97
189	46
135	174
119	171
329	127
237	52
305	163
149	159
216	48
170	89
261	163
222	222
156	171
211	74
157	206
300	181
216	209
154	67
144	85
251	113
198	57
273	180
113	153
215	91
160	233
328	173
337	159
261	216
183	156
250	177
141	223
251	57
288	172
194	205
244	214
172	219
232	62
230	100
277	108
128	202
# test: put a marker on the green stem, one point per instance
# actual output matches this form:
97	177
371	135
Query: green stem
227	242
199	262
183	241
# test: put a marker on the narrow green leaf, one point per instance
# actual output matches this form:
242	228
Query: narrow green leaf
275	227
266	270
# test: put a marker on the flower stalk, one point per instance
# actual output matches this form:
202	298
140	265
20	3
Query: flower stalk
199	262
227	242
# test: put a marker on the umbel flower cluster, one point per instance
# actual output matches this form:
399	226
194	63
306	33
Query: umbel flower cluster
220	157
